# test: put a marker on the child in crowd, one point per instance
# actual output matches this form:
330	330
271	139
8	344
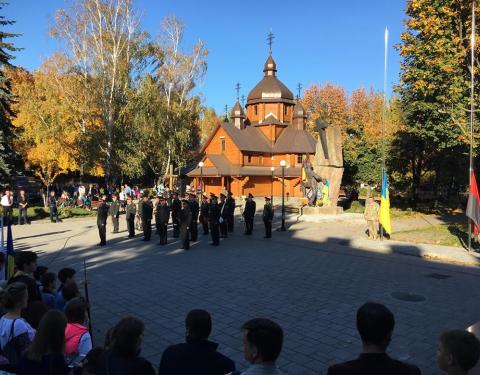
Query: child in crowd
48	289
45	355
78	341
458	352
69	292
65	275
37	275
13	327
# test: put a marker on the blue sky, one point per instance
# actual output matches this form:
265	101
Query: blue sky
315	40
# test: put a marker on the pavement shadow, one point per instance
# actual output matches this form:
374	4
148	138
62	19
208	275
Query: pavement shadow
43	234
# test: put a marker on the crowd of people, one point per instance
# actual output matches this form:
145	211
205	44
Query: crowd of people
215	214
44	330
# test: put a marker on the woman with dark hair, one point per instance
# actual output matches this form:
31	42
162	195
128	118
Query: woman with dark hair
15	333
123	355
46	354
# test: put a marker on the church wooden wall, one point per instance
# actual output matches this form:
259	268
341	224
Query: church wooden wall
231	152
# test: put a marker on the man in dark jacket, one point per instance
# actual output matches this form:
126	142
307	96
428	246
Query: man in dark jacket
147	211
249	213
176	206
161	219
102	215
130	212
52	205
213	219
204	209
184	220
268	217
193	203
114	212
223	216
197	355
231	211
375	324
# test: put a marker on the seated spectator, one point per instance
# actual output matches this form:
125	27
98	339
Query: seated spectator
26	263
262	342
48	289
198	355
35	312
65	275
45	355
15	333
78	341
122	357
458	352
375	325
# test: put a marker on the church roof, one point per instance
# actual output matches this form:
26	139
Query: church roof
295	141
299	111
248	139
270	88
237	111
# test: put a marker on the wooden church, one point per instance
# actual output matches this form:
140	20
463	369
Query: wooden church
243	155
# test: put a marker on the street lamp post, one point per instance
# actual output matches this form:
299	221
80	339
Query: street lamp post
201	164
283	163
271	190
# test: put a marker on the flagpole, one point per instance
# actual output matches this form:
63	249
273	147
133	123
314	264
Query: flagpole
472	118
384	111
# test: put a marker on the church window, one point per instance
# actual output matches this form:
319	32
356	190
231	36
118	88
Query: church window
222	143
249	158
255	109
260	159
299	158
285	110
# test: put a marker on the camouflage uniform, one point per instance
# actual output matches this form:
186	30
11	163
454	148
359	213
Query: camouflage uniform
371	215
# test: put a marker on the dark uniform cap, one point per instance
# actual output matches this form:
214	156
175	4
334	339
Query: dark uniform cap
204	196
230	193
267	198
250	195
223	195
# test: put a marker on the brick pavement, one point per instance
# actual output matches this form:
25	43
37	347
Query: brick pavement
311	282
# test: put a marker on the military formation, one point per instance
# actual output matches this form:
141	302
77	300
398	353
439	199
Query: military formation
216	215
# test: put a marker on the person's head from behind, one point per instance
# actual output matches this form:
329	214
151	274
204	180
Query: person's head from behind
262	340
458	351
50	336
39	272
198	324
34	313
66	274
70	291
14	297
76	311
126	338
92	361
26	261
48	282
375	325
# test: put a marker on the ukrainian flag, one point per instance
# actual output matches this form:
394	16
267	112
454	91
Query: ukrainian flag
385	206
10	264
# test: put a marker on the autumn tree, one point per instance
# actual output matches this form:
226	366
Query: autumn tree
8	157
207	123
434	90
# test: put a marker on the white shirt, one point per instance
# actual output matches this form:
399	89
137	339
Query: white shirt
21	326
6	201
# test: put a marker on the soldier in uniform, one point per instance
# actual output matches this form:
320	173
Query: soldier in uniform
249	214
268	217
52	204
114	212
131	211
193	203
138	217
213	219
102	215
184	221
176	206
204	212
231	211
147	211
372	210
223	216
161	219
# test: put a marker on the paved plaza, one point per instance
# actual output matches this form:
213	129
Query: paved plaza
310	279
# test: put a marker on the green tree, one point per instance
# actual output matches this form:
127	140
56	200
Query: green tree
433	89
8	157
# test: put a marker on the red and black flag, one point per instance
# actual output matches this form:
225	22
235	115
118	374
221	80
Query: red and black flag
473	205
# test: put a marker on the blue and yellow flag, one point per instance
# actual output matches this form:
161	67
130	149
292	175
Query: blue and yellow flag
385	206
10	264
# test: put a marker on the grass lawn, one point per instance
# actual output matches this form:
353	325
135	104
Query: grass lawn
39	213
358	208
453	234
